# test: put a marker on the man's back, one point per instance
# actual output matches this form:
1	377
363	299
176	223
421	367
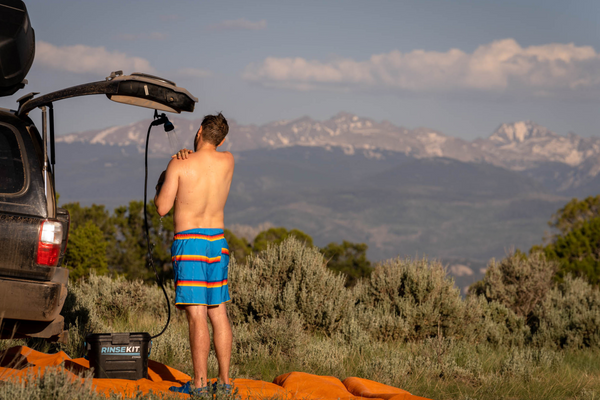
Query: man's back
204	181
198	187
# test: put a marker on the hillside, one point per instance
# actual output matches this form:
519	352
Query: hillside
399	205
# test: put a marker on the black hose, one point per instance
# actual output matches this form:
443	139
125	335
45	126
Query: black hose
149	256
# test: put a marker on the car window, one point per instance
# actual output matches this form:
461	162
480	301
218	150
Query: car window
12	173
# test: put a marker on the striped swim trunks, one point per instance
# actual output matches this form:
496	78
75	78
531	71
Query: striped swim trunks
200	264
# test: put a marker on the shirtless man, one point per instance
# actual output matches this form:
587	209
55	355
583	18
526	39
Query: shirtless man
197	184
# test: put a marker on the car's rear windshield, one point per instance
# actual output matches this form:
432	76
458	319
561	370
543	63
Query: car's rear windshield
12	173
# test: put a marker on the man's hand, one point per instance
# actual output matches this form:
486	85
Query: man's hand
182	154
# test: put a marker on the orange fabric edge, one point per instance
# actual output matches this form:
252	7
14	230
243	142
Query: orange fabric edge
21	362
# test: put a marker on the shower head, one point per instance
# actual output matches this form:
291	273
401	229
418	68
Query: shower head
162	119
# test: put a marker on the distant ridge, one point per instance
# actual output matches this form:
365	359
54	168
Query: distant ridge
519	146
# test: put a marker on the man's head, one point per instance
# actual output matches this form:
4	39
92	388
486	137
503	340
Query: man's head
213	130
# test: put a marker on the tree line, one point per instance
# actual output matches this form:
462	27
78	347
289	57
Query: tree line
115	243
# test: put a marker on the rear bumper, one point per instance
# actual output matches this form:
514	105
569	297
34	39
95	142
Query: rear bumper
52	331
31	300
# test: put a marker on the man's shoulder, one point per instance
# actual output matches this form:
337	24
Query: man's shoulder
175	164
227	156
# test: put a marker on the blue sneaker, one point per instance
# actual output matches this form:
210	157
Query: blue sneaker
187	389
222	388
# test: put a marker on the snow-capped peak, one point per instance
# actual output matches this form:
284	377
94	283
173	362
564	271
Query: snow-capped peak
519	132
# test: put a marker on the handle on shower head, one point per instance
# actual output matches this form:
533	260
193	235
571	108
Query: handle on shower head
162	119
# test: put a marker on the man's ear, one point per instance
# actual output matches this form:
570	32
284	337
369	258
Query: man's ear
197	138
222	141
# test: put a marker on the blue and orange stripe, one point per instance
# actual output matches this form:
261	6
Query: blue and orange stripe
183	236
205	284
183	257
192	257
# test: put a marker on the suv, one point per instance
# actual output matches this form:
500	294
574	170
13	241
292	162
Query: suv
33	230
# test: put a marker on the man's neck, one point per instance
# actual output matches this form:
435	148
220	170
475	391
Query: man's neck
206	147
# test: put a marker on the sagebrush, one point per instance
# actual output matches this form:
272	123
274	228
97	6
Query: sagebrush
406	326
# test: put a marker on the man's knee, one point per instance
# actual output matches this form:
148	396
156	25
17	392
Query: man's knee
196	313
218	313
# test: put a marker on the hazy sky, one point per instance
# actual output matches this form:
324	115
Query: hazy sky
461	67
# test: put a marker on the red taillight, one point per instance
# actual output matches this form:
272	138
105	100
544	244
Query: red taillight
49	242
48	254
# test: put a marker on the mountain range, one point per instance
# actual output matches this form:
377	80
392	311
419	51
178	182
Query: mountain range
565	164
403	192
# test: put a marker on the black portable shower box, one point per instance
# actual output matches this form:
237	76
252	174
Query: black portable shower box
119	355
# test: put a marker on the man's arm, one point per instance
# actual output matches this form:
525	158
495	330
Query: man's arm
166	189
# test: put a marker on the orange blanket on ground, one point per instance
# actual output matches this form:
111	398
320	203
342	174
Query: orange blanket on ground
20	362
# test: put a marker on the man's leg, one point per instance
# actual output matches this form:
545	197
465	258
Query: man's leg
222	338
199	343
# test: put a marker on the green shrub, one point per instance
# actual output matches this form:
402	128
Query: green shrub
279	336
576	245
86	252
577	251
55	383
349	259
495	323
238	246
289	278
518	282
275	236
569	316
411	300
575	213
